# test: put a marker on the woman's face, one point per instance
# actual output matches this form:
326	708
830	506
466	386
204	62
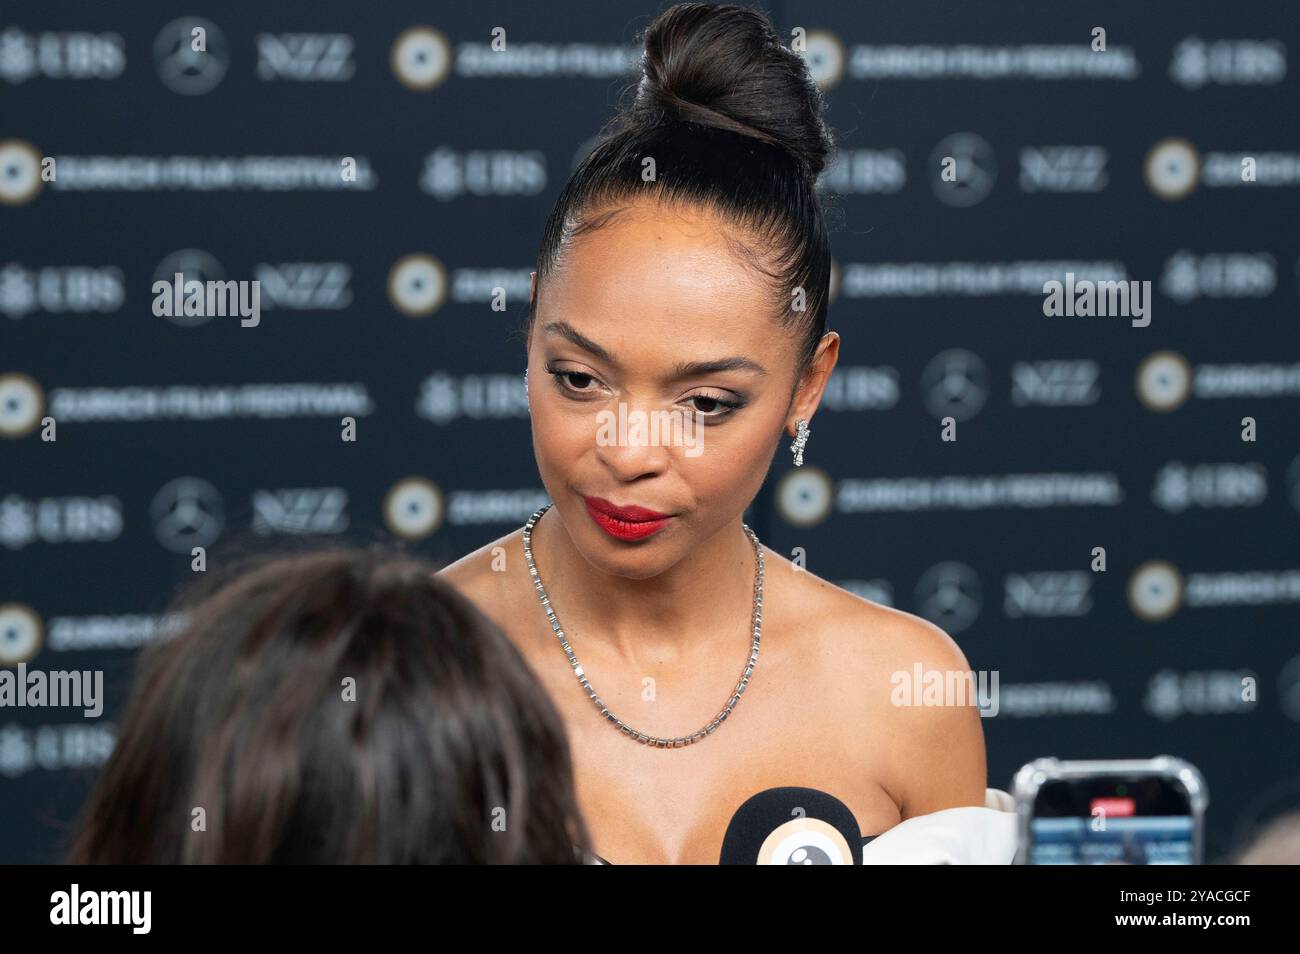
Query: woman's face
652	290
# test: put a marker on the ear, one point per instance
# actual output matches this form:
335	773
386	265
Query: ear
532	288
809	393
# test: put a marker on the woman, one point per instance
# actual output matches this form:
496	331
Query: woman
685	269
343	706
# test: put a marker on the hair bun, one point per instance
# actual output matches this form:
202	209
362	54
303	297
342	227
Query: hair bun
724	66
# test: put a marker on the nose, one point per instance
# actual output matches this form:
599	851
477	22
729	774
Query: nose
628	442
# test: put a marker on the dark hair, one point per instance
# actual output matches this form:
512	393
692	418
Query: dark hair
244	714
733	121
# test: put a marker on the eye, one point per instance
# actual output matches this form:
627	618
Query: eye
714	407
577	383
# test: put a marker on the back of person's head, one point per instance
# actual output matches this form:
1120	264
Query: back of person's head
340	706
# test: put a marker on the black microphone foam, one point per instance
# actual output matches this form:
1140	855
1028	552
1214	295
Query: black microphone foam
792	826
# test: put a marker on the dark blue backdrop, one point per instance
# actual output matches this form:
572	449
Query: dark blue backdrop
1073	433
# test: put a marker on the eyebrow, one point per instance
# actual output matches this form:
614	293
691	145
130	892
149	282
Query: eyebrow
683	369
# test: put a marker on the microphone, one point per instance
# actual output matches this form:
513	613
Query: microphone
792	826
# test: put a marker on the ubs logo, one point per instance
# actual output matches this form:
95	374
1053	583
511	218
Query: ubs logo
184	69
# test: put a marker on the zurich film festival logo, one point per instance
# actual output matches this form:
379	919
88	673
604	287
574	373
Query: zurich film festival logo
22	634
1173	168
824	54
191	56
22	171
22	404
414	508
1155	591
417	285
420	58
1164	381
805	496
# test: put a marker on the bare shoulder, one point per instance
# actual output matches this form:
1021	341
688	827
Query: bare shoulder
479	574
863	651
859	630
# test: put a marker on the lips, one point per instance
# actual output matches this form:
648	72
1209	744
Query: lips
625	523
629	514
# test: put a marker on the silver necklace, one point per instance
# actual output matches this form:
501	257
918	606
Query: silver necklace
626	729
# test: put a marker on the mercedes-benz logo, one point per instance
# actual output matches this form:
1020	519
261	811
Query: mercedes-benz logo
956	384
187	513
181	67
975	166
949	595
194	265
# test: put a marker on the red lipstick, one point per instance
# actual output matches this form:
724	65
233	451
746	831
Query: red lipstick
625	523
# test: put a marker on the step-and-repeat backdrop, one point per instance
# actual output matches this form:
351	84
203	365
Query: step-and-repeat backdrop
1094	488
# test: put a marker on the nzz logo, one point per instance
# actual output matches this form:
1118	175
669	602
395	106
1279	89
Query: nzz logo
309	285
1065	593
300	510
307	57
1055	383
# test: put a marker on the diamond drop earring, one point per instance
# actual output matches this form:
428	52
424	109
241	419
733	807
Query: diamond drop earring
801	438
526	404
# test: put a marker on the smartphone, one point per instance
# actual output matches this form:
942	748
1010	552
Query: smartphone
1133	811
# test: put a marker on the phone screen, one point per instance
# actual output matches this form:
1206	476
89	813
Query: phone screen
1111	820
